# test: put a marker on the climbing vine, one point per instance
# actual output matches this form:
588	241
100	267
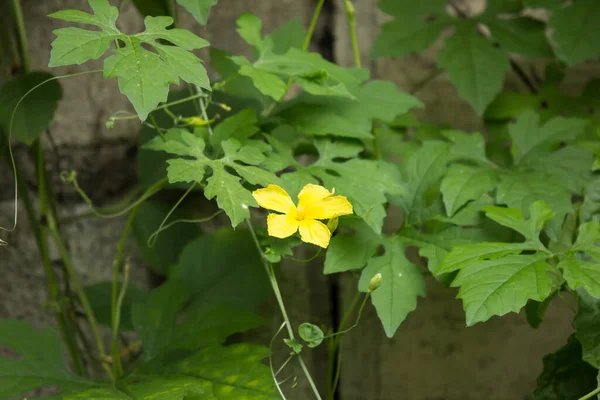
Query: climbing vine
509	216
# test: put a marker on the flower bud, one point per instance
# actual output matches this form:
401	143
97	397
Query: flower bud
374	282
332	224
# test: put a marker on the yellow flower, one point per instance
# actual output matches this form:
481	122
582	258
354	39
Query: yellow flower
314	203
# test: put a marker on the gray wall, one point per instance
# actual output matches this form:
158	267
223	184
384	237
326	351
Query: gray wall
433	355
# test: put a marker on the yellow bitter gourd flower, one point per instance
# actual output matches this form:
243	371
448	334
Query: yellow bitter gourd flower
314	203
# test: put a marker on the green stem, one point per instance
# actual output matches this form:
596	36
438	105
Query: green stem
204	114
85	303
333	348
339	339
22	35
273	280
313	25
151	191
117	366
590	394
351	18
47	207
156	127
307	39
40	234
153	237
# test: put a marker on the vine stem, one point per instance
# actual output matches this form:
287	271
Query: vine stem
273	280
83	299
117	366
22	35
307	39
313	25
590	394
64	322
351	18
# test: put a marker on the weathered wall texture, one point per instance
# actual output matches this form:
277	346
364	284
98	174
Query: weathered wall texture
433	356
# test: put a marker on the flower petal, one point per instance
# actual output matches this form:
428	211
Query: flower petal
328	208
311	194
274	198
315	232
281	225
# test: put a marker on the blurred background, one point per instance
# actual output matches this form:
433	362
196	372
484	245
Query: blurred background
433	355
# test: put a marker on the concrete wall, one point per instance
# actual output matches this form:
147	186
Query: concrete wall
433	356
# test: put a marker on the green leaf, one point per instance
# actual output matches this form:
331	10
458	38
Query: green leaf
530	140
522	189
570	167
467	146
350	251
590	210
588	238
414	9
289	35
579	273
150	164
574	31
75	45
300	63
293	344
198	8
464	183
35	112
494	7
144	76
587	327
508	105
401	283
474	66
365	183
538	215
406	35
230	194
565	375
524	36
169	244
210	324
502	285
223	267
249	27
267	83
155	319
465	255
40	361
383	101
311	334
549	4
422	171
436	246
330	150
146	387
238	126
231	373
99	296
376	100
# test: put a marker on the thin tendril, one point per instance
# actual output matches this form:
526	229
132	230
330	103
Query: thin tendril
162	228
273	374
10	130
71	177
305	260
150	241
